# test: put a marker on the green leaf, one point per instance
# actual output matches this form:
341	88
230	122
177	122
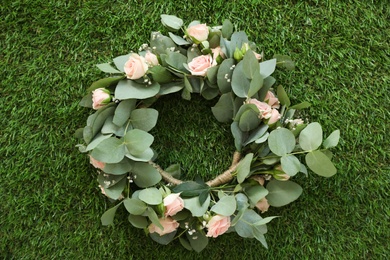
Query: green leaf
267	67
108	216
264	221
171	22
171	87
226	206
256	193
310	138
245	228
243	168
111	150
135	206
193	205
284	61
302	105
107	68
242	201
262	139
209	93
121	167
120	61
176	61
153	217
115	191
145	175
290	164
174	170
99	118
238	136
160	43
282	96
249	120
123	110
256	84
144	118
147	155
137	141
127	89
86	101
256	134
109	180
227	29
332	140
151	196
177	39
281	141
267	84
224	75
250	65
223	110
163	240
160	74
212	73
97	140
191	189
104	83
240	83
320	164
282	192
185	243
198	241
138	221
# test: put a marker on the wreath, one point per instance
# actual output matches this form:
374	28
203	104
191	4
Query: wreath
270	143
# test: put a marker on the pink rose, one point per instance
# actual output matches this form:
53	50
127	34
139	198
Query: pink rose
272	100
169	225
262	205
100	97
151	59
264	108
199	65
217	52
258	56
198	33
173	204
135	67
275	116
217	225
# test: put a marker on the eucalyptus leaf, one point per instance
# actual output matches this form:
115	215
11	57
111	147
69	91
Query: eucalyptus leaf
127	89
244	227
160	74
120	61
119	168
223	110
96	140
282	192
151	196
302	105
249	120
284	61
240	83
171	22
193	205
174	170
238	135
310	138
224	75
226	206
177	39
138	221
108	180
268	82
110	150
227	29
145	175
104	83
115	191
198	241
250	65
320	164
163	240
135	206
137	141
243	168
267	67
256	134
144	118
282	96
86	101
171	87
256	84
153	217
290	164
332	140
176	61
281	141
106	67
108	217
145	156
255	193
185	243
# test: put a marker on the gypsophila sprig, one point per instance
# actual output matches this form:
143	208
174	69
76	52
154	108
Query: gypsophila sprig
272	145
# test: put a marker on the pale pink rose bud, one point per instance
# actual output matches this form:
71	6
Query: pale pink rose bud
280	174
173	204
259	179
96	163
198	33
169	225
258	56
217	225
136	67
151	59
275	116
264	108
262	205
100	97
199	65
272	100
217	52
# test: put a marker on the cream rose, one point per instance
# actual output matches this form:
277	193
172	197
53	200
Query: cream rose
198	33
135	67
169	225
262	205
272	100
100	97
217	225
199	65
217	52
173	204
151	59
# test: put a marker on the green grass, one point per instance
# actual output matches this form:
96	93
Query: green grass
51	205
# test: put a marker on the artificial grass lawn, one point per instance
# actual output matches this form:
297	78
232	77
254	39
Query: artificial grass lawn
51	205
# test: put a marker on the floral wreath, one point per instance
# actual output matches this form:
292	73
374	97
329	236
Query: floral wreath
270	143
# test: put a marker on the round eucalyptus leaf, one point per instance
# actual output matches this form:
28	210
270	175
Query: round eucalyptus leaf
320	164
290	164
226	206
310	137
151	196
281	141
282	192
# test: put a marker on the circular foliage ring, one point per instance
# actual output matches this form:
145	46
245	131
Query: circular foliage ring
272	145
